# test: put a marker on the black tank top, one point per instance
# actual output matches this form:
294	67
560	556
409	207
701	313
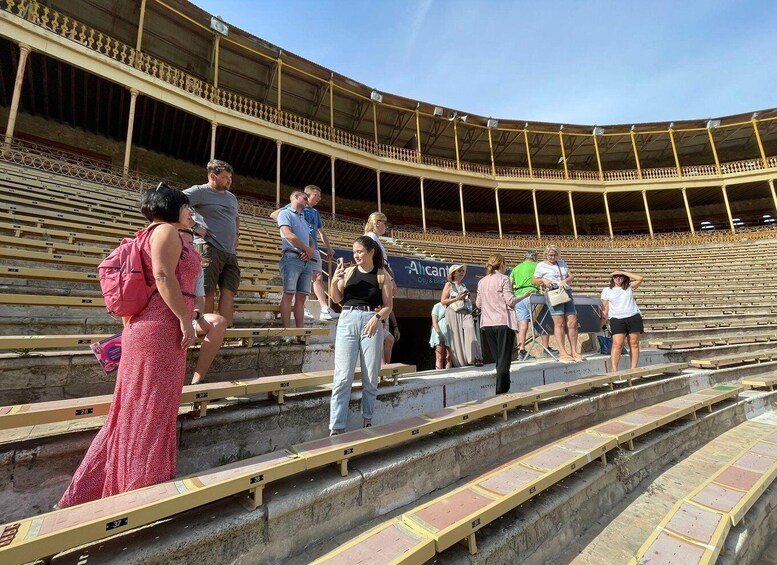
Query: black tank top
362	289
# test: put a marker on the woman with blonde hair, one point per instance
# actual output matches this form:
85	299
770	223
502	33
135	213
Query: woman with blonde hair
552	274
376	227
498	319
464	344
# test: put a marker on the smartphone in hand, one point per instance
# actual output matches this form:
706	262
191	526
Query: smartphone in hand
341	263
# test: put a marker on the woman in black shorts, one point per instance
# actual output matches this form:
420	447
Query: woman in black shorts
620	308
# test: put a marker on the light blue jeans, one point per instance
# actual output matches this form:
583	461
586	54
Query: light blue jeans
352	345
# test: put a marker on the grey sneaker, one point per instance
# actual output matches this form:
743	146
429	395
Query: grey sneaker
327	314
308	315
333	433
521	355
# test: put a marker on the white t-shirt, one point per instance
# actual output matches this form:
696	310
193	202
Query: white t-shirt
551	272
621	302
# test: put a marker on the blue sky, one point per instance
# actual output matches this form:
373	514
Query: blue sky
576	62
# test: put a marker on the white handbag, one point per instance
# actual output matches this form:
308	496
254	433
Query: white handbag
558	296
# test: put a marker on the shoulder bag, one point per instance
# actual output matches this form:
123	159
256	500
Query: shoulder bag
559	296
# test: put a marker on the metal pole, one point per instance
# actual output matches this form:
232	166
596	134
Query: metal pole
216	46
598	158
774	194
636	155
728	210
461	203
674	152
572	211
493	164
456	143
375	121
280	73
418	133
139	41
563	153
688	212
423	206
130	126
498	212
24	51
213	126
528	152
607	213
647	213
332	167
278	174
714	150
378	177
536	213
760	144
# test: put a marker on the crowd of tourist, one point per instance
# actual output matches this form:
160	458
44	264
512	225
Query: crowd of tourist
190	250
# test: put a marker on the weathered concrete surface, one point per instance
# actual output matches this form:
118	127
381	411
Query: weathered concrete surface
619	533
73	374
620	504
319	505
241	428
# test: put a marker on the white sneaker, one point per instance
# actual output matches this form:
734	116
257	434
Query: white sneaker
327	314
308	315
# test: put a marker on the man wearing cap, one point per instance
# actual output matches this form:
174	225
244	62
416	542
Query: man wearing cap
521	276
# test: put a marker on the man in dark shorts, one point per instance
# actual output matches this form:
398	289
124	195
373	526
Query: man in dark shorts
217	236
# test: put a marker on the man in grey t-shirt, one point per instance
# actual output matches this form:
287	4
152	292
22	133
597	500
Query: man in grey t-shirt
219	234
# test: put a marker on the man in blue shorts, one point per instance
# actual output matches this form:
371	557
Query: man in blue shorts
313	218
521	276
297	260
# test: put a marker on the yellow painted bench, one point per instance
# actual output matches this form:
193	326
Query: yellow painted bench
458	515
696	527
200	395
736	359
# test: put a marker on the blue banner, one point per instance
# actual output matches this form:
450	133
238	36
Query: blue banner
422	273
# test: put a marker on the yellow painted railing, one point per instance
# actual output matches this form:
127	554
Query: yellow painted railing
71	29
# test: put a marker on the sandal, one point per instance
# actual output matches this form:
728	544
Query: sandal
578	357
566	359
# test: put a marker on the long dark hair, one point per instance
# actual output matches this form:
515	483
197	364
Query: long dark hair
371	245
624	285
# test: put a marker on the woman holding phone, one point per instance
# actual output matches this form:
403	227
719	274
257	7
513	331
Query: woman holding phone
464	344
365	292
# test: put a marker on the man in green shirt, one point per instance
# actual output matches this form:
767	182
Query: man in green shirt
521	276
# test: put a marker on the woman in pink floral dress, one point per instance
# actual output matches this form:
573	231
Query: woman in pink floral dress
136	446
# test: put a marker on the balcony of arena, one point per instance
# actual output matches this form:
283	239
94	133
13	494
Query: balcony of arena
147	90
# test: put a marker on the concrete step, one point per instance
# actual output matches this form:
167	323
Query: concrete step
320	505
615	536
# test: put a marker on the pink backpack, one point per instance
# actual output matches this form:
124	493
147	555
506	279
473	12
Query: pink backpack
123	279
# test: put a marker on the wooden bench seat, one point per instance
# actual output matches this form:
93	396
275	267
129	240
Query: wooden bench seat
713	340
199	394
98	301
457	515
713	508
48	534
761	382
720	361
